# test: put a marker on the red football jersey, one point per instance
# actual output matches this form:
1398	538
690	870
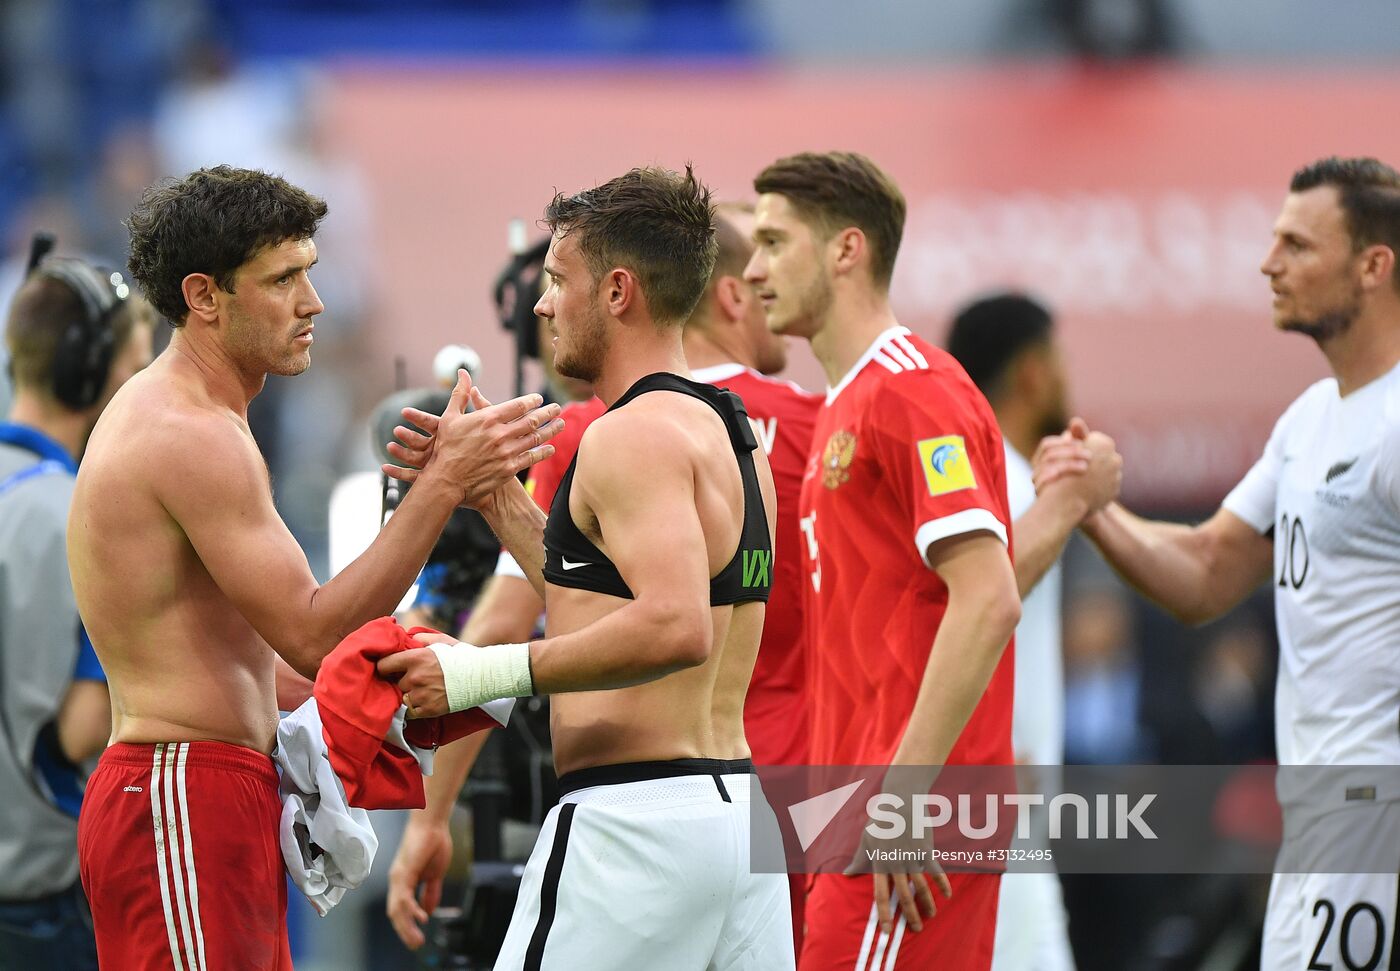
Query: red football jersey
776	709
545	476
906	452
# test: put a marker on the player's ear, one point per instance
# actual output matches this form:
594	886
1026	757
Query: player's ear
621	290
201	296
733	295
849	249
1377	266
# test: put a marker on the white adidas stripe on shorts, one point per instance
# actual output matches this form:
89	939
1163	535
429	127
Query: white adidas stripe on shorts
886	945
175	856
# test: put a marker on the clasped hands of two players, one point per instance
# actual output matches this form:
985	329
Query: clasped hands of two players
479	452
1078	460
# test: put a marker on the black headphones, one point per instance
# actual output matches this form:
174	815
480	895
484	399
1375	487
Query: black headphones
87	345
516	290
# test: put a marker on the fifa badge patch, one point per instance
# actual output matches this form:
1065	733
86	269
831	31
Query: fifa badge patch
837	457
945	464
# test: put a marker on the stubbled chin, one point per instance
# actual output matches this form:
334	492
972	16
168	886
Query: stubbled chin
294	365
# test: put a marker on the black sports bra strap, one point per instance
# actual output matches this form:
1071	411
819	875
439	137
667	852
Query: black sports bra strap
573	560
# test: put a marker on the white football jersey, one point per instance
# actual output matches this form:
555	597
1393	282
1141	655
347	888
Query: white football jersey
1328	486
1038	713
1032	926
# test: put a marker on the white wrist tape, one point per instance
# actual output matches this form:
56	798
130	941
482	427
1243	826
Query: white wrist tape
474	675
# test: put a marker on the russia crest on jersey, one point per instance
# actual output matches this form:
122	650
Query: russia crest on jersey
840	451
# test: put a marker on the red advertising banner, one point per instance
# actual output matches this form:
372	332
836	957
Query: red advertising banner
1138	202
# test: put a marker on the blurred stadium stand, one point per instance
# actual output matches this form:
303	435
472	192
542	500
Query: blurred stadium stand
662	29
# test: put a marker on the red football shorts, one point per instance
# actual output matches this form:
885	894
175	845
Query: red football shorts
177	844
844	935
797	897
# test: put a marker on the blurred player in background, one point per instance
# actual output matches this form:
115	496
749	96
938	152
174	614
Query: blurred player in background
911	596
1317	517
74	337
1007	345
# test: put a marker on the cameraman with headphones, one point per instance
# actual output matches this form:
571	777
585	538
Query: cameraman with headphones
74	335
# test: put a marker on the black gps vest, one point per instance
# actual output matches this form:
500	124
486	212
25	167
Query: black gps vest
571	559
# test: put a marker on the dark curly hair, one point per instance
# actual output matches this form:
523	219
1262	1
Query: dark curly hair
212	221
658	223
